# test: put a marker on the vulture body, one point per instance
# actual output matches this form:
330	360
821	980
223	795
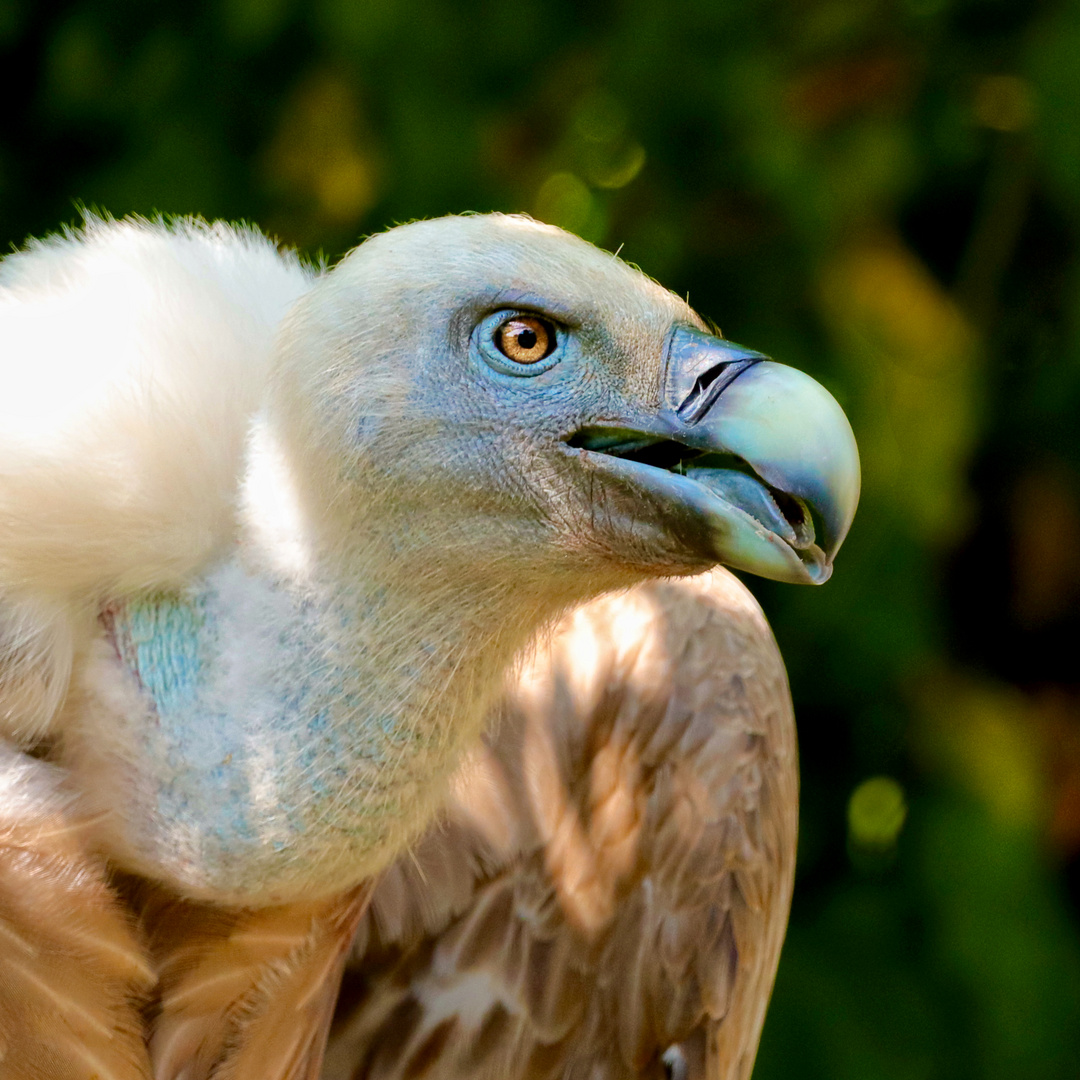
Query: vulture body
270	542
606	892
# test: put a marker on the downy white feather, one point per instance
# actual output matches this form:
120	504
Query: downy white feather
134	356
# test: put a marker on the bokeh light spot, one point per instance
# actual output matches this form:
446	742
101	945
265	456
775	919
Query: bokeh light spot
566	201
621	169
1004	103
877	810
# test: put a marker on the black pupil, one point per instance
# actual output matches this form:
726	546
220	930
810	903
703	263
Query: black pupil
527	339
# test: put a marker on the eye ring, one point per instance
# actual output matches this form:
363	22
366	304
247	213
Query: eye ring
521	343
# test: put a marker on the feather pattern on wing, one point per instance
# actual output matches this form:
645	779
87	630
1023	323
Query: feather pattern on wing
248	995
613	877
72	972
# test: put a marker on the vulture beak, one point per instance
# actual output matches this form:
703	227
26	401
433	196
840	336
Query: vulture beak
759	458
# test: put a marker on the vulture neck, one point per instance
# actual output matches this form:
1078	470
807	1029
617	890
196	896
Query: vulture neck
340	690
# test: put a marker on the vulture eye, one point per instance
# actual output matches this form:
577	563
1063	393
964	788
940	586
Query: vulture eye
519	343
525	339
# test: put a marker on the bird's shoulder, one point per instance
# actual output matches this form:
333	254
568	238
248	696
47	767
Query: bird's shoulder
614	870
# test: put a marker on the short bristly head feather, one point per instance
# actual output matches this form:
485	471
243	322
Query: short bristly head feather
391	414
392	392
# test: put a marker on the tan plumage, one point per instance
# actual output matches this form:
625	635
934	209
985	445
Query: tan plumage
610	880
247	993
71	966
613	874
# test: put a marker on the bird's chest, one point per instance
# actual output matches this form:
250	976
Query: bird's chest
242	749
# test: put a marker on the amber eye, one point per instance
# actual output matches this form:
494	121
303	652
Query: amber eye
525	339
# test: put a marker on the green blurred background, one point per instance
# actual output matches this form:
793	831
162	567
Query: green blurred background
884	193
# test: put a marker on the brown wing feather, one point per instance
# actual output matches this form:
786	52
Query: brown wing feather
248	995
614	873
73	975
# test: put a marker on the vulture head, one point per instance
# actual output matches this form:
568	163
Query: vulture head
493	397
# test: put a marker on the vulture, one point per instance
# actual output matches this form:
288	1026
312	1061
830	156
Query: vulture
372	700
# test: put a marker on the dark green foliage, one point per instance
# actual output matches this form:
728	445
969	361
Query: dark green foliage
885	192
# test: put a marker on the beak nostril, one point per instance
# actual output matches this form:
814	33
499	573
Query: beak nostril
698	368
708	386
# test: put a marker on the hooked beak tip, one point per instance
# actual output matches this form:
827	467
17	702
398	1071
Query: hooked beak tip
785	425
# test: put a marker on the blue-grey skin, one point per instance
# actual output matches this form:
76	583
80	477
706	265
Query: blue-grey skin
286	732
242	675
722	399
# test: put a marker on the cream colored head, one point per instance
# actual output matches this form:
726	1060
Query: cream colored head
411	425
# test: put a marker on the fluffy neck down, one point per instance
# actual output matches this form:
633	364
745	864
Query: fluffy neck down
288	724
